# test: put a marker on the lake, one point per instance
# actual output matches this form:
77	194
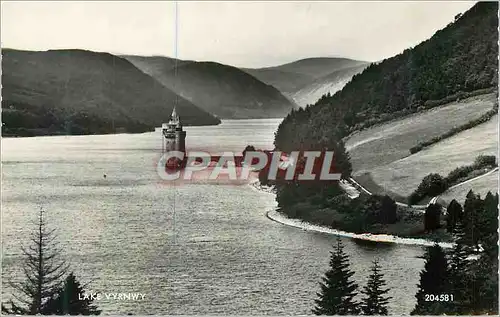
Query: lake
191	249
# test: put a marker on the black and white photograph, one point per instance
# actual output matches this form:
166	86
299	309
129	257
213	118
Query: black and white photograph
283	158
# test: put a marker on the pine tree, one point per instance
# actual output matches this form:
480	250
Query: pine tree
433	280
337	289
375	303
454	213
388	210
342	158
472	210
488	225
459	270
70	300
486	267
43	271
432	217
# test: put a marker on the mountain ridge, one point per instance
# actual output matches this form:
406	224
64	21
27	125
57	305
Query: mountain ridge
221	89
457	58
300	80
57	86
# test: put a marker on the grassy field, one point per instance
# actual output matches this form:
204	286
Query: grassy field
389	142
367	181
404	175
479	186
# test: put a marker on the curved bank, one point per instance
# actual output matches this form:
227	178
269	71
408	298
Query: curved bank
384	238
276	216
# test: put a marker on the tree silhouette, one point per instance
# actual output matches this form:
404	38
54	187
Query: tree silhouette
472	210
459	270
374	303
44	290
342	158
454	214
433	280
43	272
432	217
70	300
487	224
337	289
474	274
388	210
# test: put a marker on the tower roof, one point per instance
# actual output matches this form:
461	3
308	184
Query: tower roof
174	117
174	114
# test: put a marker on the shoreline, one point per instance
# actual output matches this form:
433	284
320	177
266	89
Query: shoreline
274	215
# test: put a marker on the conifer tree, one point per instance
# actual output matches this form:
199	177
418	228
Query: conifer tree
454	213
459	270
43	271
433	280
488	225
472	210
337	289
432	217
374	302
388	210
44	291
342	159
486	267
70	300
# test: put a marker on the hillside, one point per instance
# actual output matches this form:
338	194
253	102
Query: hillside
83	92
306	80
404	175
318	66
460	57
481	186
286	82
292	76
154	64
223	90
383	144
328	84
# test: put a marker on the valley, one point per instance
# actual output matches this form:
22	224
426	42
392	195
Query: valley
306	81
222	90
46	94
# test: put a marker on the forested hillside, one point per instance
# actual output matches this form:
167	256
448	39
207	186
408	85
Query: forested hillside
84	92
219	89
458	59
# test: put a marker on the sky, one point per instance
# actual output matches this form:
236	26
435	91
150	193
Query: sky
243	34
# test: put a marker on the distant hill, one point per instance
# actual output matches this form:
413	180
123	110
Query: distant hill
329	84
287	82
155	64
461	58
316	67
81	92
223	90
306	80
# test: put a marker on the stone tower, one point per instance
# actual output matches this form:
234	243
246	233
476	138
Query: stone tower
175	136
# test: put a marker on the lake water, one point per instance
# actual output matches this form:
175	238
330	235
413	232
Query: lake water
191	249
